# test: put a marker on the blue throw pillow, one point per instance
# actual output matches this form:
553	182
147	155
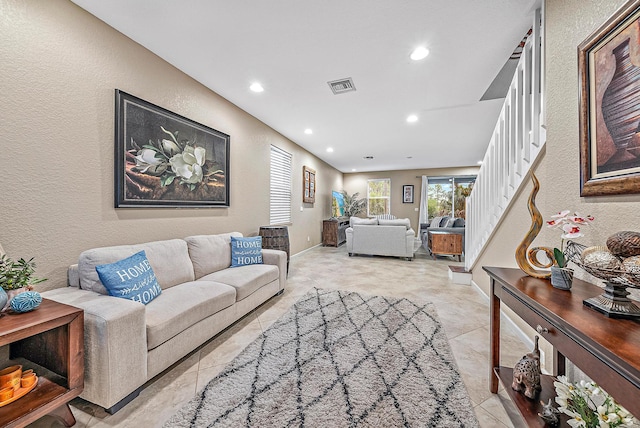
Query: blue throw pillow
246	251
130	278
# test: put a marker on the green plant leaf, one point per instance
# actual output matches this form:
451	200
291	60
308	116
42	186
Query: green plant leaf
561	260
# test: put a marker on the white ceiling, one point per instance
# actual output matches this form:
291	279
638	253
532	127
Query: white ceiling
294	47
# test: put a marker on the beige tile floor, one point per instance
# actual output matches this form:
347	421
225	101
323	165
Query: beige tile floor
462	309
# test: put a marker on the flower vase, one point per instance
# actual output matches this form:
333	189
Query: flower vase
561	278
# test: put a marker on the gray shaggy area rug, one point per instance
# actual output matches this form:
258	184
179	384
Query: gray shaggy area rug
339	359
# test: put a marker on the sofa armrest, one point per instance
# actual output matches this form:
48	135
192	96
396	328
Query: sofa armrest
115	343
276	258
349	235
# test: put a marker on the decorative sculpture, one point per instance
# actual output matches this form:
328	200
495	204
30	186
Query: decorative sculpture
549	414
526	373
526	259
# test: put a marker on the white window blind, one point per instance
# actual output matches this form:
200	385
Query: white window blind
280	187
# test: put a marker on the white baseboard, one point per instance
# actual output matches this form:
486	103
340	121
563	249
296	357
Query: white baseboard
304	251
504	317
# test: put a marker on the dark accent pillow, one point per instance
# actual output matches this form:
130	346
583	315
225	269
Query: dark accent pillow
246	251
131	278
459	222
444	221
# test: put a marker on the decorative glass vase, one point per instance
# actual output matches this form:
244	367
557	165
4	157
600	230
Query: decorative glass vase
561	278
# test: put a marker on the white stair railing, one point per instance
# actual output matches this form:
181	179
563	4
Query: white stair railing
515	145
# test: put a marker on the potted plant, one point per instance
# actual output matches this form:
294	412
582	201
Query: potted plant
15	278
561	275
352	205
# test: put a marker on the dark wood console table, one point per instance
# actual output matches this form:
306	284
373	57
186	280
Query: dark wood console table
607	350
49	340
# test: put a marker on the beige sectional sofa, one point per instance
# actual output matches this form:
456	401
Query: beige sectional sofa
128	343
380	237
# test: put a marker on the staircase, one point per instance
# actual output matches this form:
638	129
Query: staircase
515	146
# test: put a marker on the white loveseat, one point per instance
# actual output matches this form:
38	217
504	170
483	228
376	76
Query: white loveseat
128	343
380	237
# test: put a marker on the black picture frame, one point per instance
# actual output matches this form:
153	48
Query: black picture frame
163	159
407	194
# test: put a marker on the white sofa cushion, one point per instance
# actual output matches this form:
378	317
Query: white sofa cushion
179	307
169	259
396	222
245	279
210	253
353	221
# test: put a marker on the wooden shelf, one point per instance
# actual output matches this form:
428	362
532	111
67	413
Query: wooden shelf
529	409
48	340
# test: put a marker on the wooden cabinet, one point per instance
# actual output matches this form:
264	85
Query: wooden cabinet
445	243
49	340
334	231
605	349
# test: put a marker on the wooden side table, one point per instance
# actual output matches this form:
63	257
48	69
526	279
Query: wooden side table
49	340
441	242
605	349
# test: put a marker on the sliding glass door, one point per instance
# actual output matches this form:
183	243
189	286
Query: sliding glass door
446	196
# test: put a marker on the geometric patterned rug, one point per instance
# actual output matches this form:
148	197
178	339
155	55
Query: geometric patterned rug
339	359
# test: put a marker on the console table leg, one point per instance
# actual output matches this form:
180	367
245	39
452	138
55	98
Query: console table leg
494	349
64	415
559	363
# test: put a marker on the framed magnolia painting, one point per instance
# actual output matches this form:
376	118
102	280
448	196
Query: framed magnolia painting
163	159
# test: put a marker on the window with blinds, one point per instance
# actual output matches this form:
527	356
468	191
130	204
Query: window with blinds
280	187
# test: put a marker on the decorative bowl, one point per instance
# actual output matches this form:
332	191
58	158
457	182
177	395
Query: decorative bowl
10	376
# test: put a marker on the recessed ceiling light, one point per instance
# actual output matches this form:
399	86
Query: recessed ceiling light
308	131
479	162
419	53
353	170
256	87
412	118
330	149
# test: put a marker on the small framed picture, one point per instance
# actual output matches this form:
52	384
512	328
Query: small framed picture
309	185
407	194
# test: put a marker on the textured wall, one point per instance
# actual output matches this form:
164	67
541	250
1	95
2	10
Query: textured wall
60	66
357	182
568	23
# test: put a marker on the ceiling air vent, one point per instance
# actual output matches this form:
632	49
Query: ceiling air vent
342	85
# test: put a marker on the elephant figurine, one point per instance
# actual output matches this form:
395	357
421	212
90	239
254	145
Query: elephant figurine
526	373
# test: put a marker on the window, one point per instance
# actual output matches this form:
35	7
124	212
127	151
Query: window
447	196
280	187
379	196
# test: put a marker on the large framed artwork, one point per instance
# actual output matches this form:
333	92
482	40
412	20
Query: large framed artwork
308	185
163	159
610	105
